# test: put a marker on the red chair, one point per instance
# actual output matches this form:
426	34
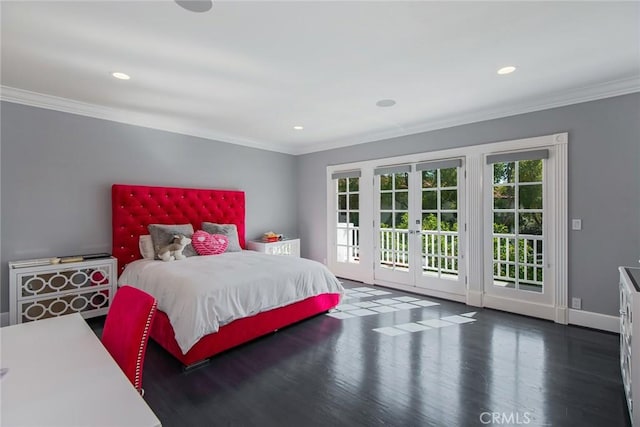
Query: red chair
126	330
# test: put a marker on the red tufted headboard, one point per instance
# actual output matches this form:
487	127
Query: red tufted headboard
135	206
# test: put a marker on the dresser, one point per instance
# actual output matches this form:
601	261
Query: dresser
630	346
290	247
42	291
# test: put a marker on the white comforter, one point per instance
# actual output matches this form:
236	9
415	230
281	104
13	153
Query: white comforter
202	293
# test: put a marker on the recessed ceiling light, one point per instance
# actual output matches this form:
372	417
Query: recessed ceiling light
506	70
121	76
386	103
298	127
196	5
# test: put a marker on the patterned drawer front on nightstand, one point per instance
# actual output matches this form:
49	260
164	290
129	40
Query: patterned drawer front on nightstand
285	248
42	291
78	302
289	247
41	284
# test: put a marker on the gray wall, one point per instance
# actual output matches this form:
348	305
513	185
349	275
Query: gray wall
604	184
57	170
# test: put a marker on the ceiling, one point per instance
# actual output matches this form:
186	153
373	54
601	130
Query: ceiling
247	72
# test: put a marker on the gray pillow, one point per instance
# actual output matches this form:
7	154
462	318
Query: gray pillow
162	235
229	230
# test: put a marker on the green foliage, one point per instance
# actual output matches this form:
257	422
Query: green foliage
530	192
527	170
504	250
429	179
508	177
530	171
429	222
449	177
354	184
397	181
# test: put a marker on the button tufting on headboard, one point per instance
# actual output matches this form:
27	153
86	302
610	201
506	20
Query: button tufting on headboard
134	207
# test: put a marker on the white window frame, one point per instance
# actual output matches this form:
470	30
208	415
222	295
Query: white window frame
350	231
447	285
355	271
475	158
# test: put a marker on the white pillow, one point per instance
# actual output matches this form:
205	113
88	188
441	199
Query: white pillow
145	244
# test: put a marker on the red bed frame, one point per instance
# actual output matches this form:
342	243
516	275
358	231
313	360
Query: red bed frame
134	207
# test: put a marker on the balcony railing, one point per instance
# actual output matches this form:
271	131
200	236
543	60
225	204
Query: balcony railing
348	243
440	253
523	253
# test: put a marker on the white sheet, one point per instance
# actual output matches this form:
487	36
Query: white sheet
202	293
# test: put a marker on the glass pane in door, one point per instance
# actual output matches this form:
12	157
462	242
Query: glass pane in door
348	221
439	231
394	221
518	244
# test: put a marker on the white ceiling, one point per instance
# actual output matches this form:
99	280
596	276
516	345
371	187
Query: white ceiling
247	72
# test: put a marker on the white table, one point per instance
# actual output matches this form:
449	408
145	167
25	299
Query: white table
60	374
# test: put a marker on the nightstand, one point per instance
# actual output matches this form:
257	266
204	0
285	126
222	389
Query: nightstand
42	291
290	247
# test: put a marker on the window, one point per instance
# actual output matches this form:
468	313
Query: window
348	219
483	224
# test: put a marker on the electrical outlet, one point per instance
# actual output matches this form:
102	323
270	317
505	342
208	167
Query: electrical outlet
576	224
576	303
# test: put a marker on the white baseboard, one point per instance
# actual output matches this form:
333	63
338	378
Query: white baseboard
593	320
541	311
4	318
562	315
474	298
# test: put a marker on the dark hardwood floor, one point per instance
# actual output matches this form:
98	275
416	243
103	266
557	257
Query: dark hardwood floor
500	369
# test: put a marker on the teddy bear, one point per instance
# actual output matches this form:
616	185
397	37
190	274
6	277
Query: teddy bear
173	251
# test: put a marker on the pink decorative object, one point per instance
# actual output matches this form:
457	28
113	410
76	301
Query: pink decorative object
134	207
209	244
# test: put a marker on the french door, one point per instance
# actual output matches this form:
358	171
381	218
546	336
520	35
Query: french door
419	226
346	257
517	224
483	224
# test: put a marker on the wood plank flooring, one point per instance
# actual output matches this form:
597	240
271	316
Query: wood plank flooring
500	369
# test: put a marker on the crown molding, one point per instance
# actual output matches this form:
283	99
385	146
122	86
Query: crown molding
66	105
561	99
548	101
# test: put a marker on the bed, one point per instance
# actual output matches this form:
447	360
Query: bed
134	207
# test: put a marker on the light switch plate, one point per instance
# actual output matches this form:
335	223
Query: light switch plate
576	224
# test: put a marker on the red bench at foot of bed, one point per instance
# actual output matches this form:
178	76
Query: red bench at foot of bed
239	331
